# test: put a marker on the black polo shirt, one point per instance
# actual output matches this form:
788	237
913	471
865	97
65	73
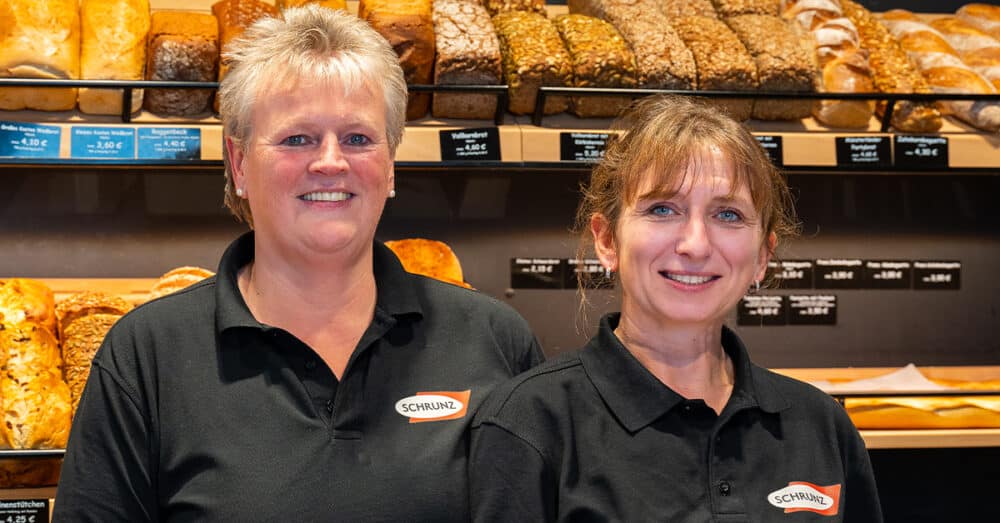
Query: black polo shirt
194	411
594	436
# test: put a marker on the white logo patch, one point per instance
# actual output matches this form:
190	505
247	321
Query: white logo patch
426	406
800	497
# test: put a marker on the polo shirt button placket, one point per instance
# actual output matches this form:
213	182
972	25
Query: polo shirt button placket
311	365
329	406
725	488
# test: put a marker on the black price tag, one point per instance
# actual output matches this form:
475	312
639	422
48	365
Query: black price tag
24	511
791	274
921	151
773	147
838	274
465	145
582	147
536	273
594	274
887	274
762	310
937	275
812	310
863	152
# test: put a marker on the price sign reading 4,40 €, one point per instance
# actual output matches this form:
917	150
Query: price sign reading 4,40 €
169	143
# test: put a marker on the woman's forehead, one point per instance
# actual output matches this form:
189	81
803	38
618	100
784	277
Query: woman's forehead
707	164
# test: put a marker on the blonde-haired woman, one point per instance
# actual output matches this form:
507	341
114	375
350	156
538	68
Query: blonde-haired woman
312	379
662	416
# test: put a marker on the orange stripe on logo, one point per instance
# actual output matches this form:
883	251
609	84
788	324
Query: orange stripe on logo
462	397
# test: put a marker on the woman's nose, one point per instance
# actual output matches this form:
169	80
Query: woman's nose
693	240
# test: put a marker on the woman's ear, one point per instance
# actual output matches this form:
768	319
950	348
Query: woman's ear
236	156
604	241
766	253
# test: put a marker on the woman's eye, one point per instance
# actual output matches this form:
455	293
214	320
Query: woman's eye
661	210
729	215
298	139
358	139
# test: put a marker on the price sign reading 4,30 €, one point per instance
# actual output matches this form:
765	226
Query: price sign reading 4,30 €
859	152
169	143
24	511
112	143
922	152
536	273
470	145
762	310
582	147
29	140
812	310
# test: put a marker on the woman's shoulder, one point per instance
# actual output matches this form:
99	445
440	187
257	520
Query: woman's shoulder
546	388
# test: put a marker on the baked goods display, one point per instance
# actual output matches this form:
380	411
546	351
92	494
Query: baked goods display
600	58
533	56
23	299
408	25
39	40
985	17
468	53
430	258
329	4
182	46
723	62
944	70
112	47
977	49
729	8
499	6
679	8
177	279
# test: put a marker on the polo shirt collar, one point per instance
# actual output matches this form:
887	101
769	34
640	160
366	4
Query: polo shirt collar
637	398
396	296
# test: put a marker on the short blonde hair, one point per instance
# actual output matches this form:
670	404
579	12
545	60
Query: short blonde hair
313	43
660	137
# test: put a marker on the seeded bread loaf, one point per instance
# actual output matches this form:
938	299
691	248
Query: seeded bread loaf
893	72
499	6
977	49
408	25
112	47
784	63
39	40
86	303
724	64
182	46
468	53
600	58
728	8
533	56
329	4
679	8
662	59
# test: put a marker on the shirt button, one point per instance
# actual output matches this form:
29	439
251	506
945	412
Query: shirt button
724	488
329	406
311	364
687	407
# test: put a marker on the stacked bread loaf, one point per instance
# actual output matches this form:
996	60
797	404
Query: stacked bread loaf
600	58
893	72
39	40
724	64
730	8
177	279
408	25
843	63
113	47
533	56
468	53
34	399
675	9
977	49
84	320
943	69
181	46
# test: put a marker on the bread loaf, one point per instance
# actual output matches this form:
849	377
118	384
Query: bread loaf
533	56
85	303
39	40
468	53
843	64
985	17
21	473
925	412
182	46
783	64
679	8
23	299
724	64
600	58
893	72
35	400
662	59
499	6
329	4
112	47
177	279
408	25
944	70
430	258
234	16
977	49
728	8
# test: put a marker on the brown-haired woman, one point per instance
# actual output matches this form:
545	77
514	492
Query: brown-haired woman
662	416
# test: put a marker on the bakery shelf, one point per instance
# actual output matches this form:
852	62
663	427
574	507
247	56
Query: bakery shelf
930	438
32	454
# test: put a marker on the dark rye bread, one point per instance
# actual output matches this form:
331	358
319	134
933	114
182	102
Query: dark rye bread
409	27
182	46
468	53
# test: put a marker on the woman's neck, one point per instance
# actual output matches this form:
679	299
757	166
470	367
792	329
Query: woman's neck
687	358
